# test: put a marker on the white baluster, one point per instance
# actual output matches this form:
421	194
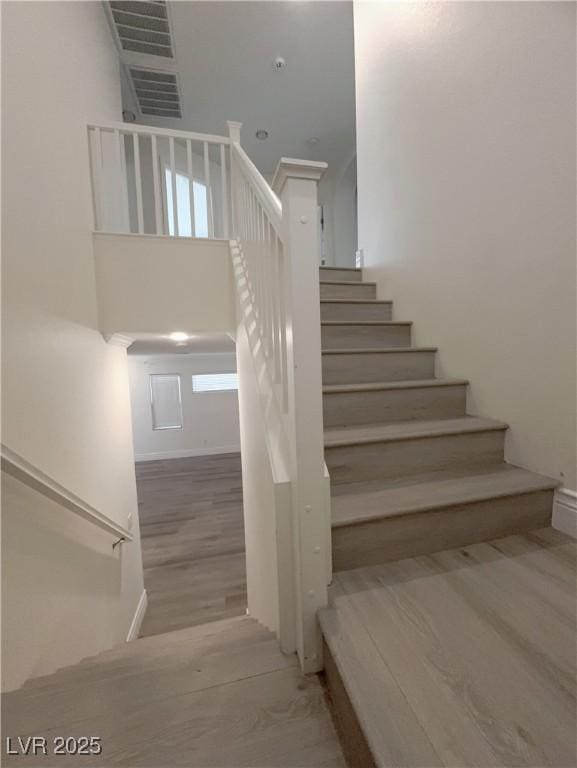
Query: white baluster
138	183
156	186
283	318
224	192
173	184
121	159
96	145
190	187
208	191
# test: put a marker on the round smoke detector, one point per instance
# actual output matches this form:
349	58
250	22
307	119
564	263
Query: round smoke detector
261	134
279	63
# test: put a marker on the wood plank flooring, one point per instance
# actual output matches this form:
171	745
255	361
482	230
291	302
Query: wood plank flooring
220	695
192	533
478	642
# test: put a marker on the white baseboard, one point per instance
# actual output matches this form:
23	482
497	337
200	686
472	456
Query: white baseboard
137	618
565	511
186	453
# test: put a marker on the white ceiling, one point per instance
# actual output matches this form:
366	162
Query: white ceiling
157	344
224	57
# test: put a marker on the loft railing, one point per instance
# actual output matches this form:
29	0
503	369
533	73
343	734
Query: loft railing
276	257
157	181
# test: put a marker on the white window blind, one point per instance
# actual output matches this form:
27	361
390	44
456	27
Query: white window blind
214	382
165	401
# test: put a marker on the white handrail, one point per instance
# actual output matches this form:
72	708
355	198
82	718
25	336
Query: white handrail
266	196
149	130
275	258
17	466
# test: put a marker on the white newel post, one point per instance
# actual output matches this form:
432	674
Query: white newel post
295	182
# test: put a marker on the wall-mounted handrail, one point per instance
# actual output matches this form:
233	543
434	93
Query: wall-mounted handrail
18	467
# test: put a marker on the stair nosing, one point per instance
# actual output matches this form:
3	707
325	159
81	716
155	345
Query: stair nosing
377	386
357	301
348	269
376	350
366	322
346	282
487	425
547	484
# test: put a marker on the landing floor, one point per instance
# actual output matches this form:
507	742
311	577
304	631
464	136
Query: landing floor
465	657
219	695
192	534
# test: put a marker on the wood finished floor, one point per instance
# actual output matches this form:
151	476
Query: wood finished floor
464	657
192	533
220	695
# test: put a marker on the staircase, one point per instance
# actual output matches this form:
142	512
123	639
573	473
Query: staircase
412	474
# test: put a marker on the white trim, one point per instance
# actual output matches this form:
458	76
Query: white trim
118	340
136	622
185	453
289	168
35	478
565	511
216	242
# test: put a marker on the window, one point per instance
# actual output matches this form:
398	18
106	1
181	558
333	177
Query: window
183	206
165	401
214	382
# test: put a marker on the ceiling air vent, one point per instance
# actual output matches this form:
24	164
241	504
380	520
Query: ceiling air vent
143	26
157	92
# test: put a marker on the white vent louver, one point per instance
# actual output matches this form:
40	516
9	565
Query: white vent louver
156	91
143	26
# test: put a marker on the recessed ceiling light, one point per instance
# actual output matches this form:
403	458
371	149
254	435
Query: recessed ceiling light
261	134
178	336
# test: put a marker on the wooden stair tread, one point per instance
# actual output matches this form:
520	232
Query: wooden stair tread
409	430
346	282
441	626
239	629
362	507
366	322
383	385
388	723
376	350
356	301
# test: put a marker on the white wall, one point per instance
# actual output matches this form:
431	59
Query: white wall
466	174
336	194
66	405
148	284
210	419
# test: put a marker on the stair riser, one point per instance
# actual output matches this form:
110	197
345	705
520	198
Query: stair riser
363	336
340	274
354	368
395	538
356	311
395	460
360	291
426	403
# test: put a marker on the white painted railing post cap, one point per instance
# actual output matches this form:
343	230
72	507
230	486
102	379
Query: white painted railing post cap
288	168
234	130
